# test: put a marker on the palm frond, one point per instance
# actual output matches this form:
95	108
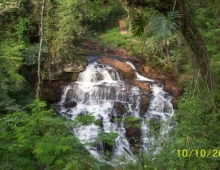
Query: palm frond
138	24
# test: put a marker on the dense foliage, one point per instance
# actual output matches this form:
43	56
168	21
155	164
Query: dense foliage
32	136
39	139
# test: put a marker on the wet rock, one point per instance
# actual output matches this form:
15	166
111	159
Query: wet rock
70	104
134	135
52	91
120	109
144	105
145	86
112	93
107	148
69	95
173	88
126	69
57	109
112	118
132	128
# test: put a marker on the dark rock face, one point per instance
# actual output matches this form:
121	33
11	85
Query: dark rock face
144	105
69	95
133	132
108	148
61	73
52	91
120	109
67	69
67	105
70	104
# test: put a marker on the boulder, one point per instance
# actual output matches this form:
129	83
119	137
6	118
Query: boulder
145	86
144	105
70	104
126	69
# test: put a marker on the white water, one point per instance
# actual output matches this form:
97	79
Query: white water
99	90
160	108
139	77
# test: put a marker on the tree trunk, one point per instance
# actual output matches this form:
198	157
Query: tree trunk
129	11
195	40
40	50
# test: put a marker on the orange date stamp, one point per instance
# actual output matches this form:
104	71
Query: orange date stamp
186	153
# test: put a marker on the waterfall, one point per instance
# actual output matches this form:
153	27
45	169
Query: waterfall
101	91
160	109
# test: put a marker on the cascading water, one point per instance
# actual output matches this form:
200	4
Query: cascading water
160	109
101	91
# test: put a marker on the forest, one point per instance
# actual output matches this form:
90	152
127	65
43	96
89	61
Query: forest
40	37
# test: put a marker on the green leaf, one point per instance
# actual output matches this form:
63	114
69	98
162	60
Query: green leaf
97	166
108	137
128	152
86	119
164	26
59	162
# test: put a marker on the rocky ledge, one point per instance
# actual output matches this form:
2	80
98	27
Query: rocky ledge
170	80
60	75
66	72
